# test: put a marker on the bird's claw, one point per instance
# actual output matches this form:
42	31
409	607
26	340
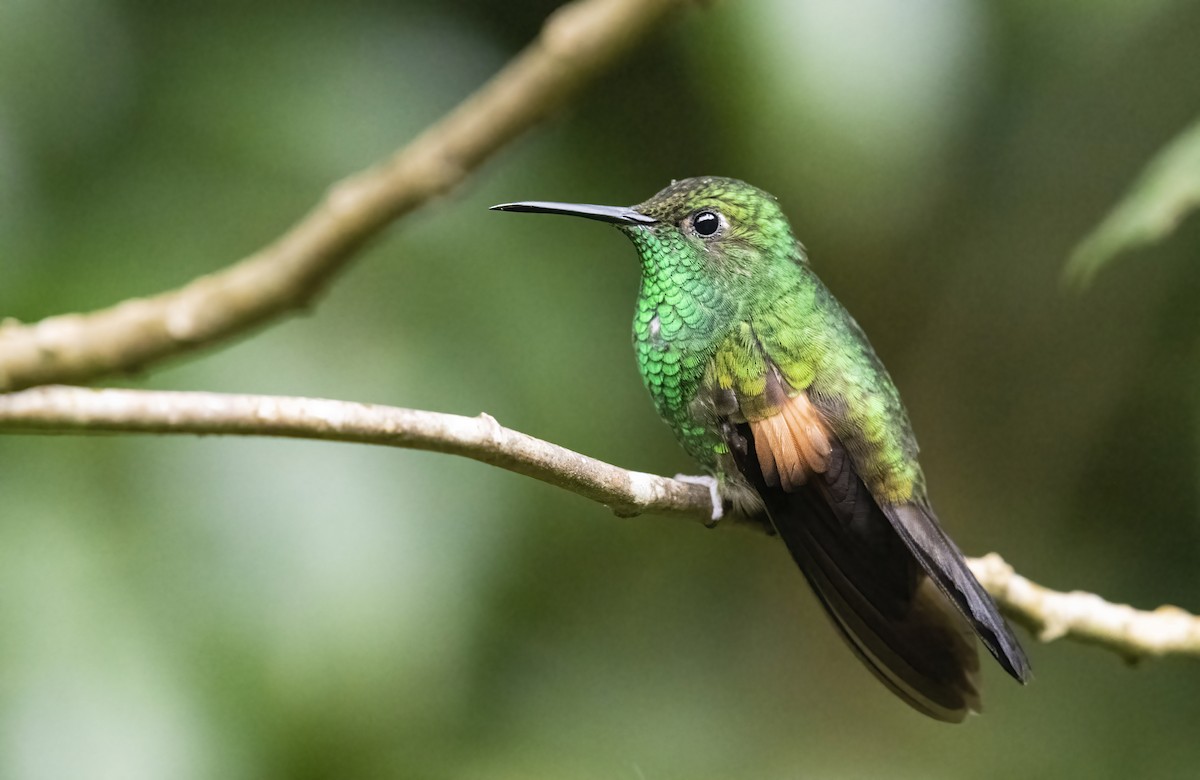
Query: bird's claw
718	506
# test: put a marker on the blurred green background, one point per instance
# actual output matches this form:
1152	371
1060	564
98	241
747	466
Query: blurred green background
206	608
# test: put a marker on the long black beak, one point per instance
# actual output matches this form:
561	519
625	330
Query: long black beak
620	215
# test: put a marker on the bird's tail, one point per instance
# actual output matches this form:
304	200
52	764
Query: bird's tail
897	589
894	617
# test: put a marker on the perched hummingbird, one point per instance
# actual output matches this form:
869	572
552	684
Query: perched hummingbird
774	389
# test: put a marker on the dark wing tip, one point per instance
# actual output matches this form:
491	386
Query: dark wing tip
1015	662
944	562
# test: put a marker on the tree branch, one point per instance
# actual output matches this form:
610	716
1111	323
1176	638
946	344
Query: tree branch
58	409
577	42
1051	615
1085	617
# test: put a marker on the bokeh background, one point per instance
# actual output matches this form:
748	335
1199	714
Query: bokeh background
204	608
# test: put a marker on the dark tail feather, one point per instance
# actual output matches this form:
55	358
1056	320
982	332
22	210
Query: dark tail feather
889	612
902	617
941	558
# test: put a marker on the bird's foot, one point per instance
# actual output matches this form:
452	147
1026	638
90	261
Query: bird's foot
718	506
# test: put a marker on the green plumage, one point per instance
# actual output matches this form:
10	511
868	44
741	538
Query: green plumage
727	306
775	391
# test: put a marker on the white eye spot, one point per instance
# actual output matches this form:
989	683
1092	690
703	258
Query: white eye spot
654	334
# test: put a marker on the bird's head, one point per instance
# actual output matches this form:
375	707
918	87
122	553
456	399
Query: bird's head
729	231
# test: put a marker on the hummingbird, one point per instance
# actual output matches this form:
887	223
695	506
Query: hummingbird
772	387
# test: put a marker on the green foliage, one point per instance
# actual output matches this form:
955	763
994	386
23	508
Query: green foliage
1166	192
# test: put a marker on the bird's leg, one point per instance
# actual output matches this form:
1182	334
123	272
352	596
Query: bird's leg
718	505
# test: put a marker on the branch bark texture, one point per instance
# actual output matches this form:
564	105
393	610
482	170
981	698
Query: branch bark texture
1050	614
58	409
578	41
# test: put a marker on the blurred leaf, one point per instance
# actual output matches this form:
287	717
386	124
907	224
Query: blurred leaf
1168	189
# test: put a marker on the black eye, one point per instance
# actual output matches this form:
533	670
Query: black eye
706	223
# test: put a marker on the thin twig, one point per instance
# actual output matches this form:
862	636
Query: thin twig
1049	614
577	42
1085	617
